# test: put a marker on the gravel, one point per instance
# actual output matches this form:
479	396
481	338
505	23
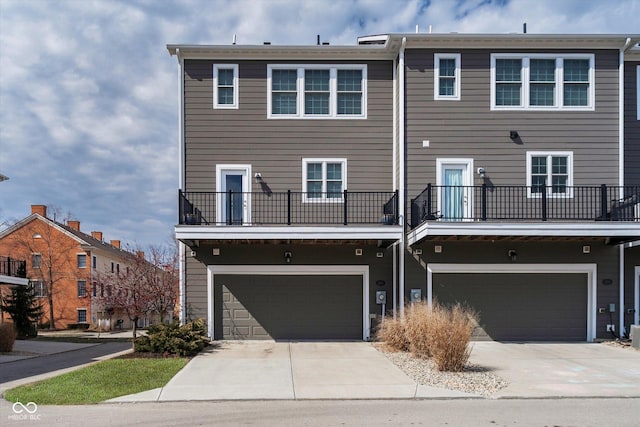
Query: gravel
474	379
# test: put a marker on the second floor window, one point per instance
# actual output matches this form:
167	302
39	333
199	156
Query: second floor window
543	82
225	86
39	288
324	179
316	91
36	260
550	172
82	260
446	68
82	288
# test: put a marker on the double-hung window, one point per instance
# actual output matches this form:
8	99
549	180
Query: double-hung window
324	179
550	172
316	91
39	288
542	82
82	288
225	86
36	260
446	72
82	260
82	315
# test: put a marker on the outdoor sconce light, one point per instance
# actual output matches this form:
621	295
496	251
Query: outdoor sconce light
513	134
258	178
482	172
287	257
513	255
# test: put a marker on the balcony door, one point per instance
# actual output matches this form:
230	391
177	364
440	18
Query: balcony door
233	202
455	192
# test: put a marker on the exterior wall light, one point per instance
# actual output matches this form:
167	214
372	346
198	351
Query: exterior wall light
513	255
513	134
287	257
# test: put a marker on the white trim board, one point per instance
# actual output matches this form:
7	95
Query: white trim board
591	270
231	232
283	270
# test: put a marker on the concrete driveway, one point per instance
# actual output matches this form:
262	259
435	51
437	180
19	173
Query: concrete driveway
546	370
356	370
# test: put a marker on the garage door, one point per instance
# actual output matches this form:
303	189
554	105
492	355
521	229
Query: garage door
520	307
288	307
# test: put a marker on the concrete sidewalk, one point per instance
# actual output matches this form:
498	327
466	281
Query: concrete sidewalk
296	370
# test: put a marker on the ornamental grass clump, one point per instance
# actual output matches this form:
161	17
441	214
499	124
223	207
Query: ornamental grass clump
392	332
450	336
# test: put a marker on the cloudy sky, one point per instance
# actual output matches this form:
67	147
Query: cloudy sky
89	94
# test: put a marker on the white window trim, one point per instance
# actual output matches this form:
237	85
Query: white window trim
436	77
559	81
638	92
333	91
324	162
549	154
216	68
85	259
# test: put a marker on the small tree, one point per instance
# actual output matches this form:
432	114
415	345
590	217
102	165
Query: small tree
164	281
24	308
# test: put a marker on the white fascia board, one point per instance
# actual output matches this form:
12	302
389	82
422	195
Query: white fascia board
589	229
291	233
282	52
10	280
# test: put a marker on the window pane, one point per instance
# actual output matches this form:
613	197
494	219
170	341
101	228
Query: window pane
225	77
82	316
542	70
82	288
508	94
225	95
447	67
576	70
349	103
559	184
82	261
446	87
559	165
537	182
508	70
539	165
349	80
284	80
284	103
334	171
314	171
36	260
314	189
316	103
316	80
576	94
334	189
542	94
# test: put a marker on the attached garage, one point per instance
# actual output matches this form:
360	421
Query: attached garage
521	302
289	302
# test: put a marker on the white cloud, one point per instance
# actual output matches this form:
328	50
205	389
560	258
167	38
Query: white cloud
88	92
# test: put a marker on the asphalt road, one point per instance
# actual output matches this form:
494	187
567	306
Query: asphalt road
24	368
507	412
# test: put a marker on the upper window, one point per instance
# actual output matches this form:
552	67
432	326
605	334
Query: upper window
225	86
324	179
82	260
550	173
446	72
36	260
316	91
542	82
82	288
94	262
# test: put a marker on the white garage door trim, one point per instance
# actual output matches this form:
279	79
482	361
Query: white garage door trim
636	272
590	270
282	270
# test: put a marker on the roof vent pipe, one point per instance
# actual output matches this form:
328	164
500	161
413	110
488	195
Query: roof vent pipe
524	28
417	28
430	28
318	40
234	39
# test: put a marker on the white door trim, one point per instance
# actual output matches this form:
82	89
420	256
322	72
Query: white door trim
283	270
441	164
245	170
591	270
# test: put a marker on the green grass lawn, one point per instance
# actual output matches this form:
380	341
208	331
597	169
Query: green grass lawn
99	382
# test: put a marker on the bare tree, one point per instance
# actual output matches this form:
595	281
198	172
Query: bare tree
164	284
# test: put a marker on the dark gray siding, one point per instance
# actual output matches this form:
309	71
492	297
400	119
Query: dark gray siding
631	261
276	147
631	125
556	252
468	128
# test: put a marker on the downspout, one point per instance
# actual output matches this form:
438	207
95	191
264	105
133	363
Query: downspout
402	162
394	171
181	183
621	328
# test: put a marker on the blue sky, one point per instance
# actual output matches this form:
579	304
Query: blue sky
89	94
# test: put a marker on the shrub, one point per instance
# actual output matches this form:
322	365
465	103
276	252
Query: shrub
419	325
450	336
392	332
7	337
171	338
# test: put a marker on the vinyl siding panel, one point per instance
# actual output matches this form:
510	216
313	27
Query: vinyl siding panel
276	147
468	128
631	125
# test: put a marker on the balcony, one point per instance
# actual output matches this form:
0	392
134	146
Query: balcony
289	214
510	203
13	271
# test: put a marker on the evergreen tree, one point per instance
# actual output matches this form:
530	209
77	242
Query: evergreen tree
24	308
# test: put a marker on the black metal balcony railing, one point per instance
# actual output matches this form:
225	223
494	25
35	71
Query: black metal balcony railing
288	208
526	203
13	267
